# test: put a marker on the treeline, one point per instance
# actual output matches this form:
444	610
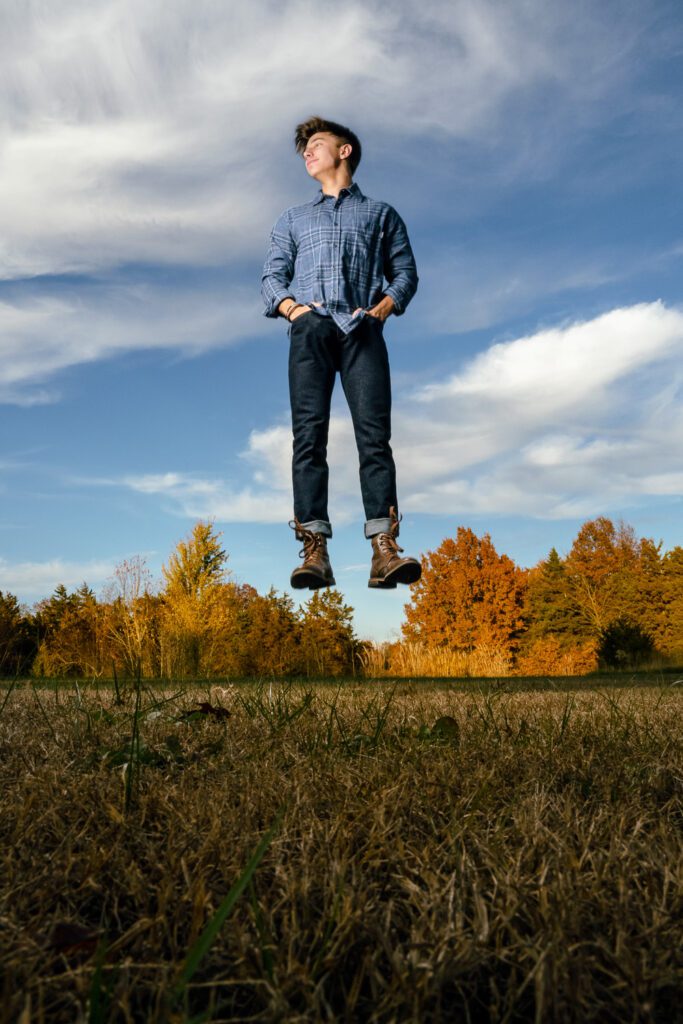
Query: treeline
199	624
615	601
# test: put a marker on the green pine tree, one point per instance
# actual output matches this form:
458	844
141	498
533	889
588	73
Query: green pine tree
550	608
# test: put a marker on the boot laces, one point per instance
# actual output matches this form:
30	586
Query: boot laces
387	542
312	540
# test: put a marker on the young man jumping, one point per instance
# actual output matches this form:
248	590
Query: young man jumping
324	272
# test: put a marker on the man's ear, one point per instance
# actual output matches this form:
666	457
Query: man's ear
345	150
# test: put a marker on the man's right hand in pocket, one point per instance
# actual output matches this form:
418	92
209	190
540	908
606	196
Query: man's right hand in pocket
301	311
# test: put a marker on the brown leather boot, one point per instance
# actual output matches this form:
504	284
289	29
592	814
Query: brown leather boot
316	571
388	568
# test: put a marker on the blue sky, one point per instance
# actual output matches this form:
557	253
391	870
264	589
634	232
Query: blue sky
532	148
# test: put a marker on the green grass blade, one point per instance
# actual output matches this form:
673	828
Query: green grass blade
99	995
206	939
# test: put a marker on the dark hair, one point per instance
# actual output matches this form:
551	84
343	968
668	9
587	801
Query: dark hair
307	128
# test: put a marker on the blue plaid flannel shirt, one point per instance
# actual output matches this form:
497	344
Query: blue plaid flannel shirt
337	252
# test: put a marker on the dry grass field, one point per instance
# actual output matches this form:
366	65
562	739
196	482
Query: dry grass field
386	852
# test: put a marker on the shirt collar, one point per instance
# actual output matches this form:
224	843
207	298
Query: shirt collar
352	190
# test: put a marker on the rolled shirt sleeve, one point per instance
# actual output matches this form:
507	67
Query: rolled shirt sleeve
400	269
278	269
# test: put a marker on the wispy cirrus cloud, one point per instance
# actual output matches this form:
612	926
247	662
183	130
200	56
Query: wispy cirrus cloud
44	333
468	287
139	137
565	422
140	132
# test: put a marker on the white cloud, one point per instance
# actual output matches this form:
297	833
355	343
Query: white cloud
35	580
143	131
140	133
268	498
565	368
41	335
566	422
202	498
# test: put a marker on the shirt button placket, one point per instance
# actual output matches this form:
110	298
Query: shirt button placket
337	250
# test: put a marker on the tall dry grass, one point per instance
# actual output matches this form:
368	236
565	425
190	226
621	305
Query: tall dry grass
409	659
356	853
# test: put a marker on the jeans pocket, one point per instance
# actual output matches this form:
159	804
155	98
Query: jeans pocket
301	316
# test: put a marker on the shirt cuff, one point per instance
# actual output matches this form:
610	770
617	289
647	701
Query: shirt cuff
399	307
278	296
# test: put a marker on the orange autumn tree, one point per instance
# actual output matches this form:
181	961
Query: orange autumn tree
602	567
468	598
615	575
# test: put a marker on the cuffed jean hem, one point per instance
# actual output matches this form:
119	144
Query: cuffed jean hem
375	526
318	526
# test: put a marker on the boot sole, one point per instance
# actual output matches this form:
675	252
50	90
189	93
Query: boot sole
403	574
309	581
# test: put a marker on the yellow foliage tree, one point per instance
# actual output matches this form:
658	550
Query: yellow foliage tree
71	637
131	618
194	576
328	642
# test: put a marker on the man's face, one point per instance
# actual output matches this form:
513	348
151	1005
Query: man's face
324	152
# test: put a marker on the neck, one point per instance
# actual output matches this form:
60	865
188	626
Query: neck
335	181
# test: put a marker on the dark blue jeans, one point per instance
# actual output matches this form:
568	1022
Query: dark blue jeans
318	349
